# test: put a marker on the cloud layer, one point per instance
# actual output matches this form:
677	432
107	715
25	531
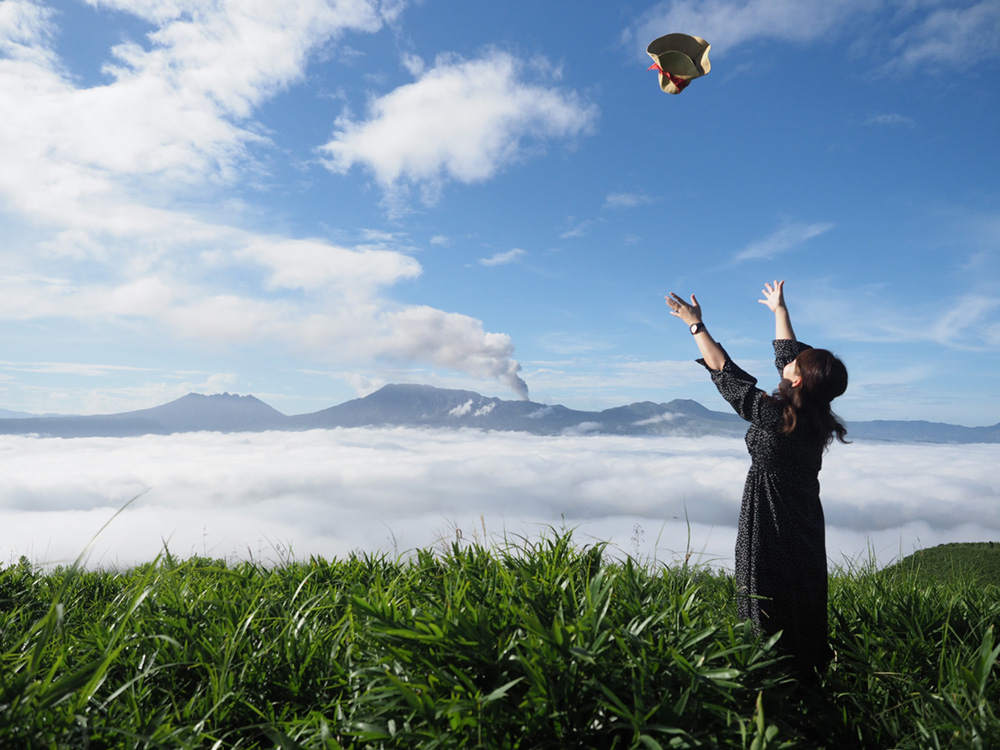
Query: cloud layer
331	492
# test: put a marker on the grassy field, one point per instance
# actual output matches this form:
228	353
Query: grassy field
538	644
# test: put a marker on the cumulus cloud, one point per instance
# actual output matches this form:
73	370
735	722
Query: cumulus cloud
781	240
331	492
312	264
178	108
461	120
93	178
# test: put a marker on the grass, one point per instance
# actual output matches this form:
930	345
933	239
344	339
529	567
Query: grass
971	562
540	644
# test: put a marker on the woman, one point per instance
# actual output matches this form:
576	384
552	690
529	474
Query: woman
781	574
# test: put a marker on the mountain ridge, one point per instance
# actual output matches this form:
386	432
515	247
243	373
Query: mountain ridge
416	405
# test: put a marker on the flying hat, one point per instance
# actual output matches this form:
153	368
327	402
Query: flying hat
680	59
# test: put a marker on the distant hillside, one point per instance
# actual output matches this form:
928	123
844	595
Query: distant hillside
425	406
965	562
222	413
918	431
8	414
408	405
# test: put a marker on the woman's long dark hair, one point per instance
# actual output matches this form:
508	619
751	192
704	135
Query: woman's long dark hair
824	377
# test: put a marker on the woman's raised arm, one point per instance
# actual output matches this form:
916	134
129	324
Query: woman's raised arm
774	298
711	352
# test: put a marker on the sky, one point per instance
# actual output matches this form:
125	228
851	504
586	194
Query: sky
276	496
310	199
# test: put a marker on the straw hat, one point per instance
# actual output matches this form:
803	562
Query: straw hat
680	59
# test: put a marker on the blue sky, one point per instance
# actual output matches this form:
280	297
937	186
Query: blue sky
307	200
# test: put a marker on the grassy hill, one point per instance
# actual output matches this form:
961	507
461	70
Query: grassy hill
973	563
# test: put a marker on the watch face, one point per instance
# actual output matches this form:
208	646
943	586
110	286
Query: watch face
695	327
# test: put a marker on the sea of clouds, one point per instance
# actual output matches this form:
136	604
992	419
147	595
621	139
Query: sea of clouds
276	495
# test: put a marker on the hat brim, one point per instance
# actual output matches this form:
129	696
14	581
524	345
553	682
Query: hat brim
682	56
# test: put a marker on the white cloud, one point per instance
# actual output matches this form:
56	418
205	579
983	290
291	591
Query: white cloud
930	36
91	173
891	120
347	323
502	259
73	368
966	316
781	240
236	54
25	33
311	264
461	410
176	112
577	230
950	38
728	23
666	417
172	115
626	200
954	321
331	492
462	120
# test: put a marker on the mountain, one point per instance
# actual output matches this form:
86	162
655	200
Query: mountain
426	406
8	414
218	413
191	413
918	431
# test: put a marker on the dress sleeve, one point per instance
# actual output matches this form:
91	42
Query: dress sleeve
785	350
740	389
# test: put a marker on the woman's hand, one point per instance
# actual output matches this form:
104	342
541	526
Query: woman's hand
711	352
774	296
681	309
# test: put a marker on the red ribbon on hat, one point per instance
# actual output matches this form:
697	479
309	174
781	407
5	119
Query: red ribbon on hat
680	83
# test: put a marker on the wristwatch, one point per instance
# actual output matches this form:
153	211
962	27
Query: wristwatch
697	327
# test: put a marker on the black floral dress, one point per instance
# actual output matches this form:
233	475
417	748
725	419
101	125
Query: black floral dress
781	573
